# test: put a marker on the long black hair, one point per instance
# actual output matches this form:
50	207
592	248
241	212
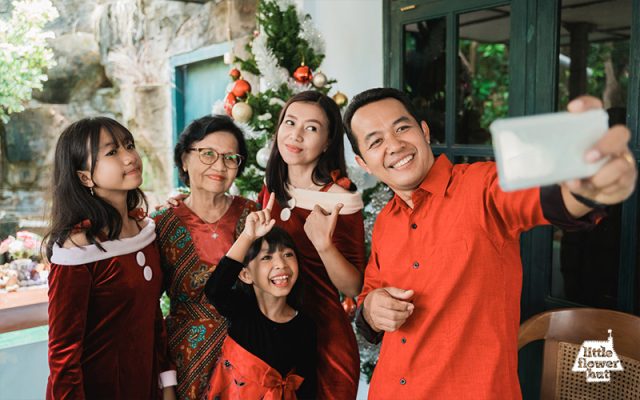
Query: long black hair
277	172
277	239
72	202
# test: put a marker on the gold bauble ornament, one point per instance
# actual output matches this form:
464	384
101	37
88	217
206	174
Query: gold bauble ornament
242	112
340	99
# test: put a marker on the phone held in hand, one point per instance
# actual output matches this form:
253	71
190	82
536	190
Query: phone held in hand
545	149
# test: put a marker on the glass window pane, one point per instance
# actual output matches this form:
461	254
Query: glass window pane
594	59
483	73
594	51
424	72
585	264
472	159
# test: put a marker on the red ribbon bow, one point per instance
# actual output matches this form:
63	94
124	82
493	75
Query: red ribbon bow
281	388
81	226
341	181
138	214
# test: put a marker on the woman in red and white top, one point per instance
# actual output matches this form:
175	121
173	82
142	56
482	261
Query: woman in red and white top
319	207
106	333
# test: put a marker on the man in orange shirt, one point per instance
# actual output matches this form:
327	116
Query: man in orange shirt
443	283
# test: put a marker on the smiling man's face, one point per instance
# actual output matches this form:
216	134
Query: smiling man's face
394	146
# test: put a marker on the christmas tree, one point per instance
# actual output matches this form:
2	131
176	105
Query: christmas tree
285	56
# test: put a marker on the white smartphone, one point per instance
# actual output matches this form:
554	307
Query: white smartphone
545	149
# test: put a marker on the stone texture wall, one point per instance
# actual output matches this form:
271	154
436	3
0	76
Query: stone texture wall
113	59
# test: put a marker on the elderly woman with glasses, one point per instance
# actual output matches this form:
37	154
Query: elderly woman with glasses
193	236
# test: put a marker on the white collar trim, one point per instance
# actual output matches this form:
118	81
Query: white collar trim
307	199
91	253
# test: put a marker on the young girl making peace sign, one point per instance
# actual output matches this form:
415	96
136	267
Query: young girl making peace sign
270	350
319	207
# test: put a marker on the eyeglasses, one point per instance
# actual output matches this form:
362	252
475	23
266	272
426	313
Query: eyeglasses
209	156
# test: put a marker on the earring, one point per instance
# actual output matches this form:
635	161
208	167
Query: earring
91	191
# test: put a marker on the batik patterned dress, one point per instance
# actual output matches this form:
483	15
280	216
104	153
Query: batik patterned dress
189	253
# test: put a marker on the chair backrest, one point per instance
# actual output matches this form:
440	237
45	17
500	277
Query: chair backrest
564	331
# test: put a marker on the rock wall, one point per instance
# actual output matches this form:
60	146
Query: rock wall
113	59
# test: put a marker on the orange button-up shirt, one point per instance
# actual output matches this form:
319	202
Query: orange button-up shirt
458	249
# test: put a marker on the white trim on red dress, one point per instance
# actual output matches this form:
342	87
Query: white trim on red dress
307	199
91	253
167	378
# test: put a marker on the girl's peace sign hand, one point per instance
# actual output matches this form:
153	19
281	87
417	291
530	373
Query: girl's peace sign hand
259	223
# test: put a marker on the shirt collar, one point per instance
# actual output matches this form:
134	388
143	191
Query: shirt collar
438	177
436	181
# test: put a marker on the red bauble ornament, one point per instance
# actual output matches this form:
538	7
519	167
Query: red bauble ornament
234	74
229	102
241	88
349	306
303	74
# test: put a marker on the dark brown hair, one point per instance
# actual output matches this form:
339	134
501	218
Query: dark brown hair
277	239
277	172
371	96
198	130
72	202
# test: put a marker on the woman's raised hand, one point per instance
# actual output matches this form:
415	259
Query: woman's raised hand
320	225
259	223
172	202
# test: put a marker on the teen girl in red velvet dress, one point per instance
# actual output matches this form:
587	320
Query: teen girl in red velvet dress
106	335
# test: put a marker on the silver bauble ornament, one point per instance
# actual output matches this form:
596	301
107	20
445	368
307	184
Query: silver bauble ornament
234	190
319	80
262	156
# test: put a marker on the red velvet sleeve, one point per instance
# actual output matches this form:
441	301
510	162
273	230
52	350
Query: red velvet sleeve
69	293
371	282
263	196
161	343
348	238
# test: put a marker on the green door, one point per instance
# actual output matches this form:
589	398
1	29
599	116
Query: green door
200	79
205	83
466	62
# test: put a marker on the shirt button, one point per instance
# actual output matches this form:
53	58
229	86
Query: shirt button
403	340
416	265
403	381
414	226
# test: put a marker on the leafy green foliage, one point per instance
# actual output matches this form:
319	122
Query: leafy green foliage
249	65
165	304
24	53
616	53
490	82
282	29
